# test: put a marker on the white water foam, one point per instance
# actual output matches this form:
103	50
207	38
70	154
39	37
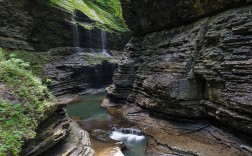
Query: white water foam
130	139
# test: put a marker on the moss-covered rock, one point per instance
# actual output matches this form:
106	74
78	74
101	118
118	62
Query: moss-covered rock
106	15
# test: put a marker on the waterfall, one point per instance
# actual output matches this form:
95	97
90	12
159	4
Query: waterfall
76	35
103	40
104	49
129	136
128	131
134	139
90	40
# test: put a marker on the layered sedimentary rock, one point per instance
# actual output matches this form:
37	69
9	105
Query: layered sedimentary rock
145	16
58	131
199	70
76	69
185	137
32	25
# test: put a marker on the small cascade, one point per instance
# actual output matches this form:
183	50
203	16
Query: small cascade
127	135
76	33
127	131
90	41
103	41
134	139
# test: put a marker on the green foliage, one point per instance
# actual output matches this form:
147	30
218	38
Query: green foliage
107	14
87	26
32	61
14	127
18	62
18	121
2	55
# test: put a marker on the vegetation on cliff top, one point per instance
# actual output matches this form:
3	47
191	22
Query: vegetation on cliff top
106	14
19	117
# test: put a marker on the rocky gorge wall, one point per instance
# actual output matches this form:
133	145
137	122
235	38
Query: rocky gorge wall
198	70
32	25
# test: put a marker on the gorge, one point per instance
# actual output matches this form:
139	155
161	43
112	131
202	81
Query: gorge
126	77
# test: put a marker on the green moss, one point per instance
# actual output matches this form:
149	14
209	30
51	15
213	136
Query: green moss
199	5
205	6
18	121
107	15
35	60
97	58
13	129
87	26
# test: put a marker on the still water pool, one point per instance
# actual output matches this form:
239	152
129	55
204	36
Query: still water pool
89	114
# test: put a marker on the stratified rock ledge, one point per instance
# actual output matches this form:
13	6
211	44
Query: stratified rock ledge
185	137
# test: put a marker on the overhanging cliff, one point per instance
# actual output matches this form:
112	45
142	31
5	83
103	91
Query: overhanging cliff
145	16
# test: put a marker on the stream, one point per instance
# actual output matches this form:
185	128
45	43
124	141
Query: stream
88	113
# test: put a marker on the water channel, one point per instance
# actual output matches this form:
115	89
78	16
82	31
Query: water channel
98	121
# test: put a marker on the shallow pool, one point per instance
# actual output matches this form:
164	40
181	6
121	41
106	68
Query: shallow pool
89	114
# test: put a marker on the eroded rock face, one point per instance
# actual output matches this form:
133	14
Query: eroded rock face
59	135
54	129
145	16
193	71
32	25
123	80
76	70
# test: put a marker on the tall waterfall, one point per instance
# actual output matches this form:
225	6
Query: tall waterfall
103	40
76	33
97	35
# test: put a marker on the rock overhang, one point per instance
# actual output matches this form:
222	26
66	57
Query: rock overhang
145	16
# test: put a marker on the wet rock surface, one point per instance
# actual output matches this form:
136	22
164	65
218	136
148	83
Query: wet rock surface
200	70
76	70
185	137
